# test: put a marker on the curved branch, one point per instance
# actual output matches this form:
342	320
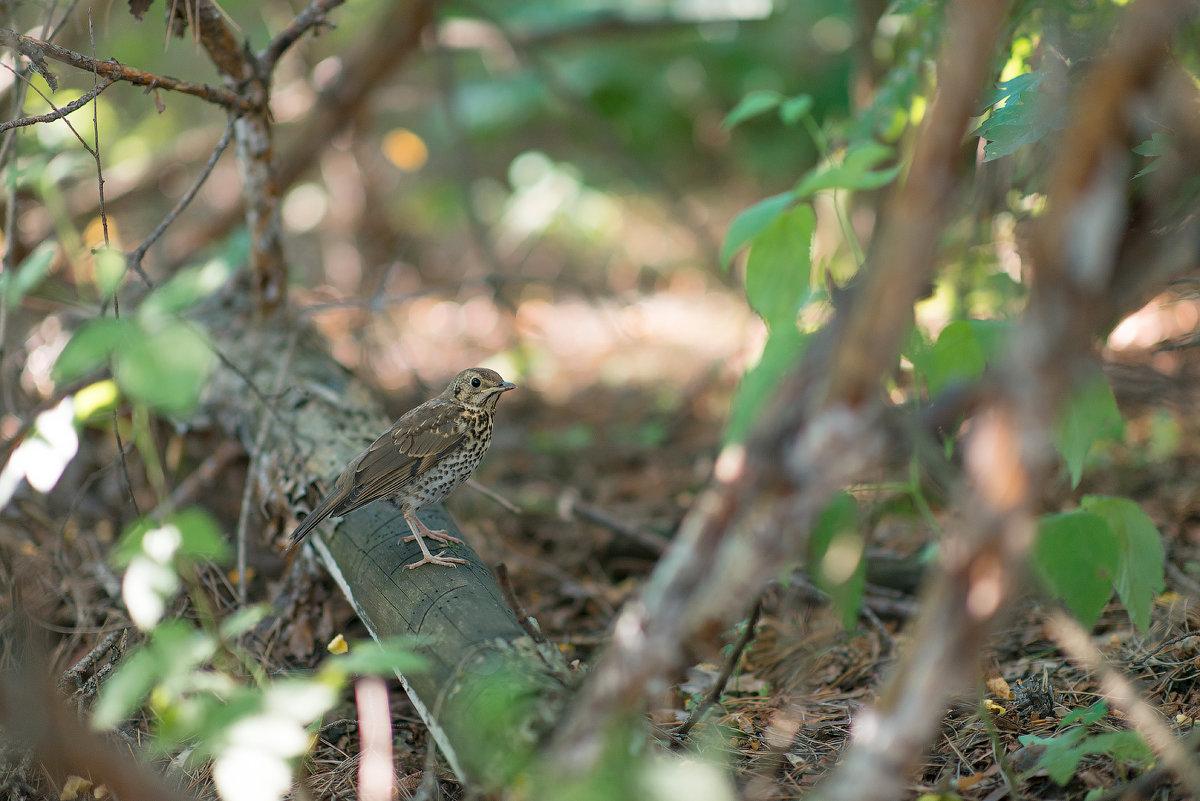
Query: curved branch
311	18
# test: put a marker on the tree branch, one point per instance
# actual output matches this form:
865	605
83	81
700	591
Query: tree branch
822	430
37	51
59	113
311	18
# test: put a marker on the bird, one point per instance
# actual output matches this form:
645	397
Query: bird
421	459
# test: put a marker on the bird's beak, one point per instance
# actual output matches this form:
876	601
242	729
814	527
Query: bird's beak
505	387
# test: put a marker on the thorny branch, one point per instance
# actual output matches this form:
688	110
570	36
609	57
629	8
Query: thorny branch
38	51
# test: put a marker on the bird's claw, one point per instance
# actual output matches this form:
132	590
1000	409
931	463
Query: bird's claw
438	559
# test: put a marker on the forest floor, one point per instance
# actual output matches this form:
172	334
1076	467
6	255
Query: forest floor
608	442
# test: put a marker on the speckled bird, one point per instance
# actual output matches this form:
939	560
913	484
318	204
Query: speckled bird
421	459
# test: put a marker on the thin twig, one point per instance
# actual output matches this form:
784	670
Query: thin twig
134	259
203	476
311	18
570	506
510	595
96	142
124	462
718	688
59	113
22	77
494	496
260	441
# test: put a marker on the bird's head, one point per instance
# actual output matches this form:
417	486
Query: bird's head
478	388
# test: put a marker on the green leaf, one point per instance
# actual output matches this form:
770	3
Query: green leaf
751	222
1122	746
857	171
186	288
1154	149
836	550
165	371
90	347
955	356
779	267
795	109
992	336
1092	714
199	537
1078	556
753	104
1020	115
783	347
168	659
243	620
1140	571
1064	751
127	688
1062	754
29	273
202	537
1090	414
109	265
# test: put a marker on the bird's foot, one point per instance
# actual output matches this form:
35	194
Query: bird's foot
439	559
440	535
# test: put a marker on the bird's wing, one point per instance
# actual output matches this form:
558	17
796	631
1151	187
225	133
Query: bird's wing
414	444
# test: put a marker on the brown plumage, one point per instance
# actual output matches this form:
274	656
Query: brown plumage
424	456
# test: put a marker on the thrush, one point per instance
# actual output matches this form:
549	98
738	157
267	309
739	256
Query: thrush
421	459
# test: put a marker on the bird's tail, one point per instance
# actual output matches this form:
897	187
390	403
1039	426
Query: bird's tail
323	510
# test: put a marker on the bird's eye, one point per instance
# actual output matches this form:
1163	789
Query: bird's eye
475	382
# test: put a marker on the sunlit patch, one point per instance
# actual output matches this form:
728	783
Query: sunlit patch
993	457
842	557
987	588
673	777
730	463
1155	322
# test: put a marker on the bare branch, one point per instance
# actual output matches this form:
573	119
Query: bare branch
311	18
37	51
134	259
1009	455
59	113
822	431
253	134
718	688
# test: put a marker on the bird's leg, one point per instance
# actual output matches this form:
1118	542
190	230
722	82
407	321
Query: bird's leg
418	528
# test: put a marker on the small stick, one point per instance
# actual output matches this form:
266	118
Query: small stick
718	688
569	505
510	595
490	493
